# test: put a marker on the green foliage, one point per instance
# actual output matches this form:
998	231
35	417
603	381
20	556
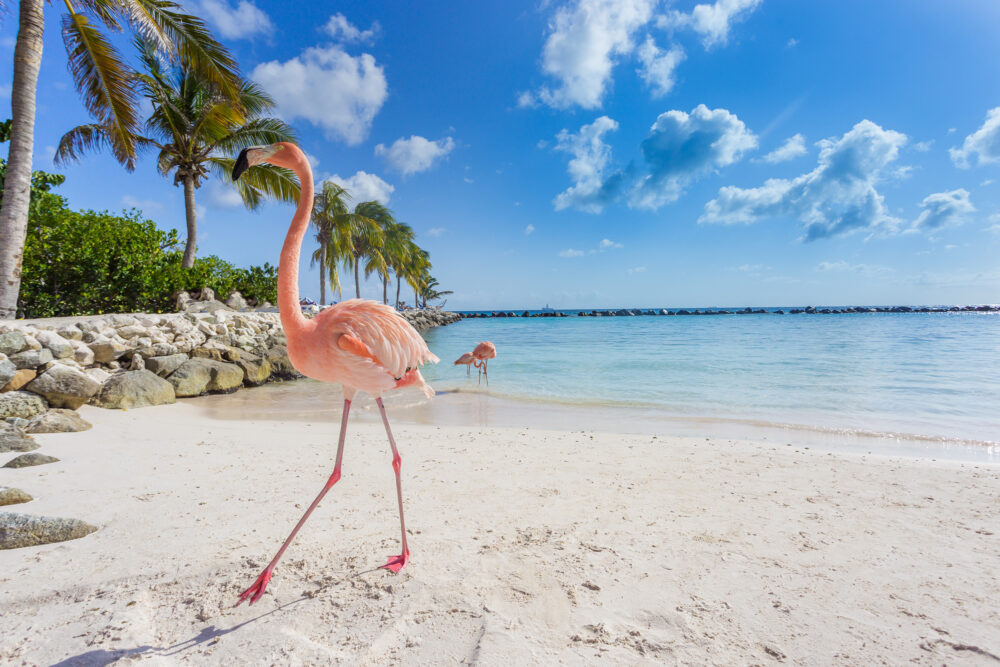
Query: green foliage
84	262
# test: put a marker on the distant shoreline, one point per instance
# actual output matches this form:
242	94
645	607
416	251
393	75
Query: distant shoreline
789	310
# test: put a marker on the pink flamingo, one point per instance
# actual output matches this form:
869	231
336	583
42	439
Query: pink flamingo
483	353
363	345
468	359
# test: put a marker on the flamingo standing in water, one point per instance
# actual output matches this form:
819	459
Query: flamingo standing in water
483	353
363	345
467	359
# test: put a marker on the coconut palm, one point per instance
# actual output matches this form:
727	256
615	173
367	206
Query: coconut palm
330	216
398	240
196	125
367	240
429	290
103	79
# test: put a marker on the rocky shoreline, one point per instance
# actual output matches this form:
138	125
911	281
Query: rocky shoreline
808	310
49	368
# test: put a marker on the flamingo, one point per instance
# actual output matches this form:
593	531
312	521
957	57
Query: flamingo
363	345
468	359
483	353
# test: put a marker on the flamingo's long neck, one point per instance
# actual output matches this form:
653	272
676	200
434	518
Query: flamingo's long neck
292	318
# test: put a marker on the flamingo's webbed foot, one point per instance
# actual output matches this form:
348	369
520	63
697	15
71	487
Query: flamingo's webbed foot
397	563
256	591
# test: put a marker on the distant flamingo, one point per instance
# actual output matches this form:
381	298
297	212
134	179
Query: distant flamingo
468	359
363	345
483	353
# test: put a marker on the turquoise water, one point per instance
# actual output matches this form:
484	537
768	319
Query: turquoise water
935	375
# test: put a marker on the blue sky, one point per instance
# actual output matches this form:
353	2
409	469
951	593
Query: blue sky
632	153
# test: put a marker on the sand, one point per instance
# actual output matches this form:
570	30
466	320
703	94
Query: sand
528	547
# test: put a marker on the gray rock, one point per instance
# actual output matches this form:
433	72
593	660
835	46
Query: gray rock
134	389
16	422
24	530
12	342
28	460
21	378
236	301
131	331
58	421
121	320
206	306
197	376
164	366
281	365
106	351
21	404
9	496
13	439
207	294
64	387
7	371
55	343
137	363
32	358
182	300
256	370
70	332
82	353
98	375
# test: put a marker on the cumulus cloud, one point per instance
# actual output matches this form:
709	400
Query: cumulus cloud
791	149
982	146
435	231
637	269
944	209
712	21
587	166
528	230
584	40
923	146
243	20
837	197
335	91
658	66
223	196
363	186
608	244
681	146
341	29
569	252
415	154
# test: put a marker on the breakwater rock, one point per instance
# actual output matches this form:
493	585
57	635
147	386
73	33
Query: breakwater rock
428	318
808	310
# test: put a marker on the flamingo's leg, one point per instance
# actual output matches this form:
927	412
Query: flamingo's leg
485	373
255	592
396	563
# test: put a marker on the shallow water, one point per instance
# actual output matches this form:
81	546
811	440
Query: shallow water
913	384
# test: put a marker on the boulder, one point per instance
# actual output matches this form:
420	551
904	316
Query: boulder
207	353
236	301
12	342
13	439
70	332
82	353
31	358
131	331
28	460
137	363
22	404
134	389
55	343
183	299
207	294
281	365
24	530
9	496
164	366
21	378
64	387
7	371
98	375
206	306
58	421
256	371
106	351
198	375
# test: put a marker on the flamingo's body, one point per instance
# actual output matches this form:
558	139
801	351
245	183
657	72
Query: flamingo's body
483	353
363	345
467	360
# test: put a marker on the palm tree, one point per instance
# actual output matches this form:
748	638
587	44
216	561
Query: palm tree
398	247
429	290
196	125
103	79
366	240
330	216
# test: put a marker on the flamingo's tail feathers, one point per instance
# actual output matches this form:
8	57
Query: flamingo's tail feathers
415	379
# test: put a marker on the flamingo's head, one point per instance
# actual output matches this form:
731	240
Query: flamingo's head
277	154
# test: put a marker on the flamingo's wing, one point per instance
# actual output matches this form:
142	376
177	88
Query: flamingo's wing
374	331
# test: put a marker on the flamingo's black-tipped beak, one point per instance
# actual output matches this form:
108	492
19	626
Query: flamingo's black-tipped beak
242	164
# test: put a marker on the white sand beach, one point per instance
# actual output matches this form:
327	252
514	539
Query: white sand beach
528	547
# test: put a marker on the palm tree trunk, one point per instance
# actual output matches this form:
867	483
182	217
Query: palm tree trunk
192	222
399	284
322	274
385	288
17	183
357	281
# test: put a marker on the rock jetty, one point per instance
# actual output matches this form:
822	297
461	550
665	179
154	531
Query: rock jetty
808	310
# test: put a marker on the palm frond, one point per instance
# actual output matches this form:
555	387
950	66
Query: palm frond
263	181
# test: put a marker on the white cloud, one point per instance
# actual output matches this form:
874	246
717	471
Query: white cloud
363	186
608	244
147	206
658	66
995	227
902	173
329	88
468	180
944	209
221	195
988	181
845	267
340	28
982	146
415	154
837	197
587	166
580	51
637	269
923	146
791	43
791	149
680	147
569	252
528	230
243	20
752	268
712	21
435	231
